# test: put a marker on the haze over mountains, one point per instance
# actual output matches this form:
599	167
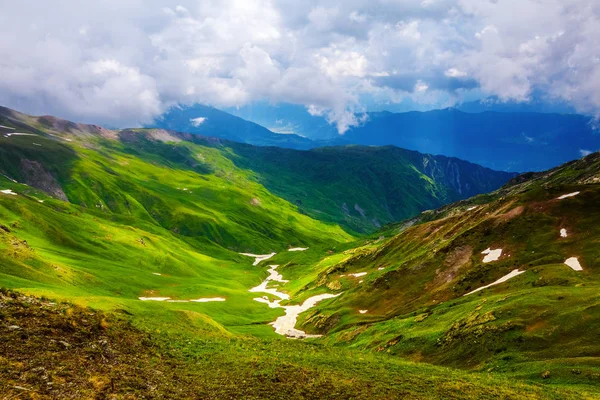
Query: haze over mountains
507	140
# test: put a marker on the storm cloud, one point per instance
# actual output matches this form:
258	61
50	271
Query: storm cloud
124	62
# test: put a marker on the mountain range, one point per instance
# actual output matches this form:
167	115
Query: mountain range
512	141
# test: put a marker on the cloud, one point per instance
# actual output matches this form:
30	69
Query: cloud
63	57
585	153
198	121
455	73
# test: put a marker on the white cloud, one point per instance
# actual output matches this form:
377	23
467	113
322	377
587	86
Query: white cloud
357	17
585	153
325	55
340	64
455	73
409	29
198	121
421	86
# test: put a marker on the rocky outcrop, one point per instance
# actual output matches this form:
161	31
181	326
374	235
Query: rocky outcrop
465	178
37	176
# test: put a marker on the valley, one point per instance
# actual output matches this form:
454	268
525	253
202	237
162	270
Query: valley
197	260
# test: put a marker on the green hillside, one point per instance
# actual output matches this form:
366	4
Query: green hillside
146	227
541	323
364	187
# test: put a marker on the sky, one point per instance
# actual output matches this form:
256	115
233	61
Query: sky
123	62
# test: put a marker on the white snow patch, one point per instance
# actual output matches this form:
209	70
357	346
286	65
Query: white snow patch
275	277
60	137
156	273
40	201
380	268
471	208
285	325
298	249
491	255
514	273
271	304
363	311
258	258
154	298
358	274
9	178
8	191
564	196
208	299
563	232
197	121
573	262
19	134
37	144
6	127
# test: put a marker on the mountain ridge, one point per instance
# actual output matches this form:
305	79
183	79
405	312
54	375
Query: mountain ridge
278	166
507	141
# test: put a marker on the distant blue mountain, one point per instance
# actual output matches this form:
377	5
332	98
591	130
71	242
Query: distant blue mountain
506	141
209	121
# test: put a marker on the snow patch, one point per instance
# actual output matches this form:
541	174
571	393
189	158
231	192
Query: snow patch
154	298
491	255
563	233
285	325
19	134
363	311
6	127
298	249
514	273
573	262
8	191
380	268
37	144
564	196
275	277
258	258
471	208
208	299
156	273
358	274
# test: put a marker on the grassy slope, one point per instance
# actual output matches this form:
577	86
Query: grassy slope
359	186
129	217
72	352
541	325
